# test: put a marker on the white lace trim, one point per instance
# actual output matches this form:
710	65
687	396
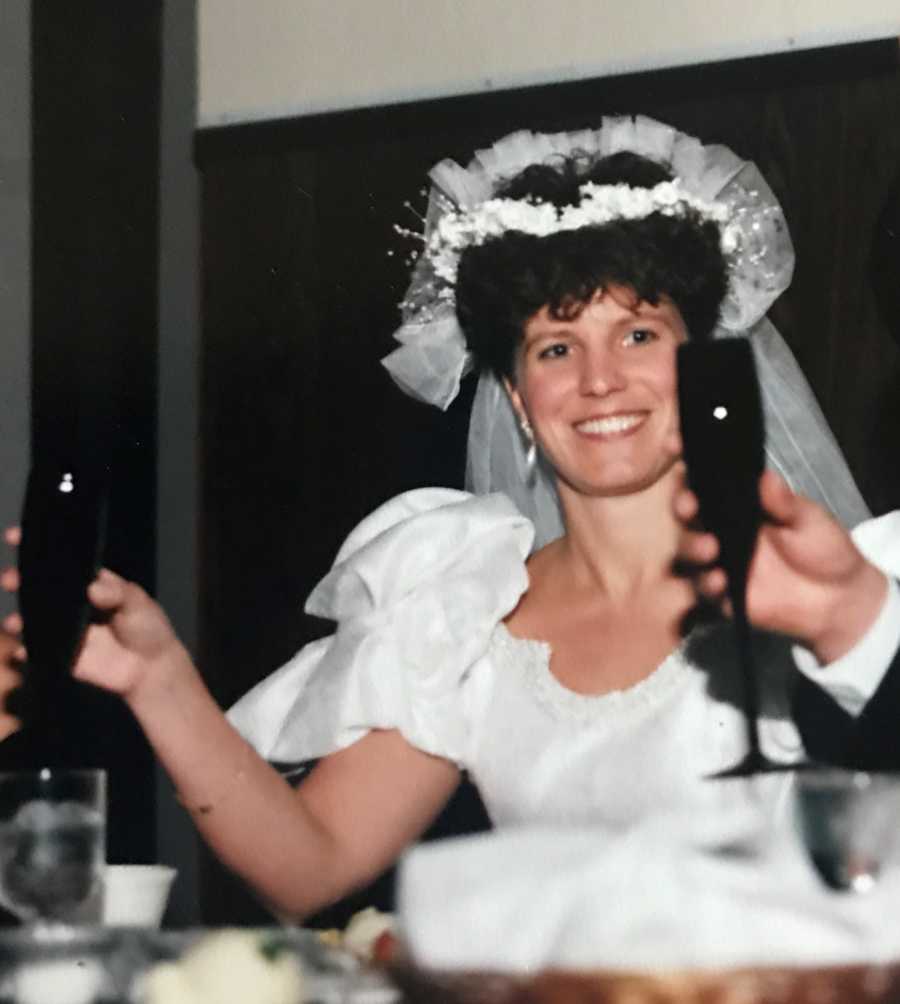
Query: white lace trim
614	709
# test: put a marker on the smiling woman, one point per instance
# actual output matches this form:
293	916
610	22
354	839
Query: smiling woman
461	647
303	272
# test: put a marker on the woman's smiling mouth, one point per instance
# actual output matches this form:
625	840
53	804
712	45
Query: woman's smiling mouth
611	425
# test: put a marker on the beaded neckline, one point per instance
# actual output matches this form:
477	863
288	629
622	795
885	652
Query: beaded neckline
532	657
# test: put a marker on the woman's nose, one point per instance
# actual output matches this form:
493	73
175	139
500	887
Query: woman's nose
601	372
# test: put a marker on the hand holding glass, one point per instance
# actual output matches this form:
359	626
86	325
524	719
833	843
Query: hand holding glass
723	435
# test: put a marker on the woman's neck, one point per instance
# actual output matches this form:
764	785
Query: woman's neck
620	544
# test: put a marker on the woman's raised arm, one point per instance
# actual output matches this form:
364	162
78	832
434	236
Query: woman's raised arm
298	849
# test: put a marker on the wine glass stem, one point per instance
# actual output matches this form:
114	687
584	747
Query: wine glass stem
748	674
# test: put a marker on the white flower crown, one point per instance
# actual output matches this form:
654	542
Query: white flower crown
600	204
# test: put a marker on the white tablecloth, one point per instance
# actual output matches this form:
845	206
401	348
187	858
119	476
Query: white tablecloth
670	893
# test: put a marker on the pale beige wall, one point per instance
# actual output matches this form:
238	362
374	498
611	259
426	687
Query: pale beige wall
266	58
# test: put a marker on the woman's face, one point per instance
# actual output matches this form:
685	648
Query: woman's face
600	391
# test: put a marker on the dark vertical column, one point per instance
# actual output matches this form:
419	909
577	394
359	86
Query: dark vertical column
177	471
95	135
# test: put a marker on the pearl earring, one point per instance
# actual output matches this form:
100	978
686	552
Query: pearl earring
531	453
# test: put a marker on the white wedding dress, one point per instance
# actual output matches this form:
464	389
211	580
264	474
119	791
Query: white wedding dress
419	591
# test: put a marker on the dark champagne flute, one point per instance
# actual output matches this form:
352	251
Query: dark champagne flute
63	533
723	436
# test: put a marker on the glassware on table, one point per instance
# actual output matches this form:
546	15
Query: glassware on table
53	844
849	823
723	436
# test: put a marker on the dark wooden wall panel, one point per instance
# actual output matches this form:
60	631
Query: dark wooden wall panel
303	432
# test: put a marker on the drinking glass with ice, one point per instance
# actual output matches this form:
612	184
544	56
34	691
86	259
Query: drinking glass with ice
52	844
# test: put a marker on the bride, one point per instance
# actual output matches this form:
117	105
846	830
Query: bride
561	672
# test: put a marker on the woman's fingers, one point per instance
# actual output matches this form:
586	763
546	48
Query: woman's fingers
108	590
777	500
10	580
12	655
698	551
13	536
12	626
686	505
12	623
133	622
712	584
134	638
695	546
10	674
100	660
10	680
698	548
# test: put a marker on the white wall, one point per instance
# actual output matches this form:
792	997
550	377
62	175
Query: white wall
266	58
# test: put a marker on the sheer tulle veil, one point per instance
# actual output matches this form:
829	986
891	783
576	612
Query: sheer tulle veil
433	358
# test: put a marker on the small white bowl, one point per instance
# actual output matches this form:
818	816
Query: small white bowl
136	895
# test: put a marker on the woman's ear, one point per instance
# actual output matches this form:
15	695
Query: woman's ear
515	399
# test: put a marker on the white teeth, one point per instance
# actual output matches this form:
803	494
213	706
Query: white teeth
615	423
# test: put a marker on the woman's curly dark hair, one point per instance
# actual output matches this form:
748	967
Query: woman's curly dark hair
503	282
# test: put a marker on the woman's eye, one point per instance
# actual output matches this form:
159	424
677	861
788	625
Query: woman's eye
555	351
640	336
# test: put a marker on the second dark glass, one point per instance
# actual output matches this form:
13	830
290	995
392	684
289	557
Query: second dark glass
723	436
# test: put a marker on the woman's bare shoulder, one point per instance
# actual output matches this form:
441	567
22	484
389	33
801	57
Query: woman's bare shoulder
543	563
526	619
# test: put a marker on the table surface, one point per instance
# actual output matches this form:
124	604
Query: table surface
334	977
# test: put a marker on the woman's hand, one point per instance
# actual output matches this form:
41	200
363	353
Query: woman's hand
134	642
807	578
133	646
12	654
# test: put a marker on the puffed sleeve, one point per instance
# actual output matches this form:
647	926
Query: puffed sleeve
416	591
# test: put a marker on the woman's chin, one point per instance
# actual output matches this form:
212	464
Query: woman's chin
616	481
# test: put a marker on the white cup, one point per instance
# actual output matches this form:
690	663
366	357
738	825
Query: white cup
136	895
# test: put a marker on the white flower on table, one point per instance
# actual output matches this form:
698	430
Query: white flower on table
227	967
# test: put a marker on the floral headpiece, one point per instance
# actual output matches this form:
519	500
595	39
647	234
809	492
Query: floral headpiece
710	181
599	204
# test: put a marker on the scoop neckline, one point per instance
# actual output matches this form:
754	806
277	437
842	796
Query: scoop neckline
563	701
